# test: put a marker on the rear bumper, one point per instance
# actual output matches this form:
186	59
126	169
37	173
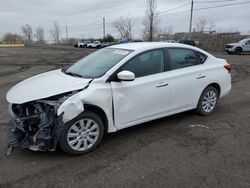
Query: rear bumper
225	91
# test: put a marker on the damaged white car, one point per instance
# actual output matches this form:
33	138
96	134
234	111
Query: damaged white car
111	89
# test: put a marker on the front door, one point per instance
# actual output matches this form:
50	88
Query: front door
146	97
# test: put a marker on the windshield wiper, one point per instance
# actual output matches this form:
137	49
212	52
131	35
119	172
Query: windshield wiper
73	74
64	69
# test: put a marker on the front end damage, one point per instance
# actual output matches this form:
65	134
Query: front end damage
34	125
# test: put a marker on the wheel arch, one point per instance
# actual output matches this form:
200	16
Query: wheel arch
216	86
238	47
99	111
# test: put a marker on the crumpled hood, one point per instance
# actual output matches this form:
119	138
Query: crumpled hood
44	85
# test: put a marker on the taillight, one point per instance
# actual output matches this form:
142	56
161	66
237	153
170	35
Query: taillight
228	67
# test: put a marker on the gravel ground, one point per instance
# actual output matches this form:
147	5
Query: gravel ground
184	150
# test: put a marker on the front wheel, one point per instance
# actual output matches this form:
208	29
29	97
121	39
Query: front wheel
82	134
208	101
237	51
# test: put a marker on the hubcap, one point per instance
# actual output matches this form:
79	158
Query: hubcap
209	101
83	134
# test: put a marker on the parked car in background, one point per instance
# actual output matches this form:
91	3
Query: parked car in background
188	42
95	44
82	44
106	44
238	48
112	89
122	41
170	41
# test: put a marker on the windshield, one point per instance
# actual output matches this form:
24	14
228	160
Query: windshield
243	40
98	63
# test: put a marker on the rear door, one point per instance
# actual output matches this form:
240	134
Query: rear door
187	78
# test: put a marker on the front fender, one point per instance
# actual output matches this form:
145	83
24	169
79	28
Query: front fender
71	108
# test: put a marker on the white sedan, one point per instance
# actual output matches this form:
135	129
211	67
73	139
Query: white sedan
112	89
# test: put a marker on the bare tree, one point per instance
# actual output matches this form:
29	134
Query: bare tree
56	32
201	24
27	32
39	34
151	21
124	26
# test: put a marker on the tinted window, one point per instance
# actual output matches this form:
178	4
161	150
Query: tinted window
201	57
181	58
148	63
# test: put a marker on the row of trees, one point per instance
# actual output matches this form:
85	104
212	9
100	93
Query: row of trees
29	35
39	35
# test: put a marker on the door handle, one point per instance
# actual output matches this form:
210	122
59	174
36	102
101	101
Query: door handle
162	84
200	76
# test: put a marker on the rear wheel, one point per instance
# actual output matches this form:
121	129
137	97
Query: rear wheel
82	134
208	101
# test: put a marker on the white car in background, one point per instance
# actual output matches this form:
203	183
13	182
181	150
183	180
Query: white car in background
95	44
238	48
112	89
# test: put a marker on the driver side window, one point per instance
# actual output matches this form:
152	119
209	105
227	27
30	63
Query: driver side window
148	63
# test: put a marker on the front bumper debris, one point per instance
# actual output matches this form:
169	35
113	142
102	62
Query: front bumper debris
38	132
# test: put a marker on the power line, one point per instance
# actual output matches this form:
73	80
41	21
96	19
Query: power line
170	10
219	1
225	5
175	12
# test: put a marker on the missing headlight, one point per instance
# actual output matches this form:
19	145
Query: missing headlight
35	126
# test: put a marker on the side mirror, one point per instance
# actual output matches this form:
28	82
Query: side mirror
126	76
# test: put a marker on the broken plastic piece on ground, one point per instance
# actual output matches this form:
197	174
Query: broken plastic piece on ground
199	125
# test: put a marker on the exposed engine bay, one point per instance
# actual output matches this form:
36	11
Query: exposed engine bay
35	125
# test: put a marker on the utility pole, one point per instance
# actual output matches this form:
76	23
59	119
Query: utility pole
104	27
67	33
191	19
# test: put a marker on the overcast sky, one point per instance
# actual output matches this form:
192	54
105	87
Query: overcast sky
84	17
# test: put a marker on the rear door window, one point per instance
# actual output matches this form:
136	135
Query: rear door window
181	58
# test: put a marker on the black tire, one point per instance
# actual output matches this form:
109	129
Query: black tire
238	51
201	107
64	140
80	46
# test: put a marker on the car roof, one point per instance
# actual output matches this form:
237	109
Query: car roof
143	46
148	45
